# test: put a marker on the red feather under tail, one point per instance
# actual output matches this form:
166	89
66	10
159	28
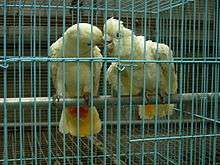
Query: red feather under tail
83	111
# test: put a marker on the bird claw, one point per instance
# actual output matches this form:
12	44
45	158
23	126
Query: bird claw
147	96
87	99
97	142
162	99
56	99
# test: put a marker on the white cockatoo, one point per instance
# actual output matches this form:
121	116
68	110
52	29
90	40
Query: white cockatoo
122	43
67	46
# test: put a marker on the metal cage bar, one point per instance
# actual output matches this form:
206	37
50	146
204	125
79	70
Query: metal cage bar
98	101
29	114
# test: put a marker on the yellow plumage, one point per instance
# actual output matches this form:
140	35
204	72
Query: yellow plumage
85	128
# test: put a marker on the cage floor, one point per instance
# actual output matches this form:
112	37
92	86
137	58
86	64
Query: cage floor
27	148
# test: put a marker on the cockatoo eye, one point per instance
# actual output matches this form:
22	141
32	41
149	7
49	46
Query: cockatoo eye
89	44
118	35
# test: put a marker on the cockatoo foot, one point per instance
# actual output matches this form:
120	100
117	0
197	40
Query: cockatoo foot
162	99
87	98
56	99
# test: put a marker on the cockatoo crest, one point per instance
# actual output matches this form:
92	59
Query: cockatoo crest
82	38
114	29
86	33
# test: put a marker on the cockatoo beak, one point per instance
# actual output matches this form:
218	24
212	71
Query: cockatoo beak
100	44
107	39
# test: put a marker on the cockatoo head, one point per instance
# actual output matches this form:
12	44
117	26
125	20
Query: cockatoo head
115	33
112	28
88	35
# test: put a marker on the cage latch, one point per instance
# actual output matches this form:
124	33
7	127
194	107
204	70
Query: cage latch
121	67
4	65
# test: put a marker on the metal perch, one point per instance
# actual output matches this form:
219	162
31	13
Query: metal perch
102	100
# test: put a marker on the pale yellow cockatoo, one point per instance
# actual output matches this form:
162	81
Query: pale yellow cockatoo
88	38
122	43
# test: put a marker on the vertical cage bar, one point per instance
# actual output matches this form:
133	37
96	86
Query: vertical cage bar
118	113
196	108
49	83
181	86
5	86
64	73
39	79
193	84
131	80
35	86
170	43
22	73
20	85
213	78
217	70
157	82
204	84
177	38
31	87
15	82
78	82
105	89
184	82
145	82
91	88
57	115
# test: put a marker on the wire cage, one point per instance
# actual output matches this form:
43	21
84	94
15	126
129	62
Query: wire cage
29	121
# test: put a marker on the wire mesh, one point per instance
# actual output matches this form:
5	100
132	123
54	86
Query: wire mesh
71	146
30	134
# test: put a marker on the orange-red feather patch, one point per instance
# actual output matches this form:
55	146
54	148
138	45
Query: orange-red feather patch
83	111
